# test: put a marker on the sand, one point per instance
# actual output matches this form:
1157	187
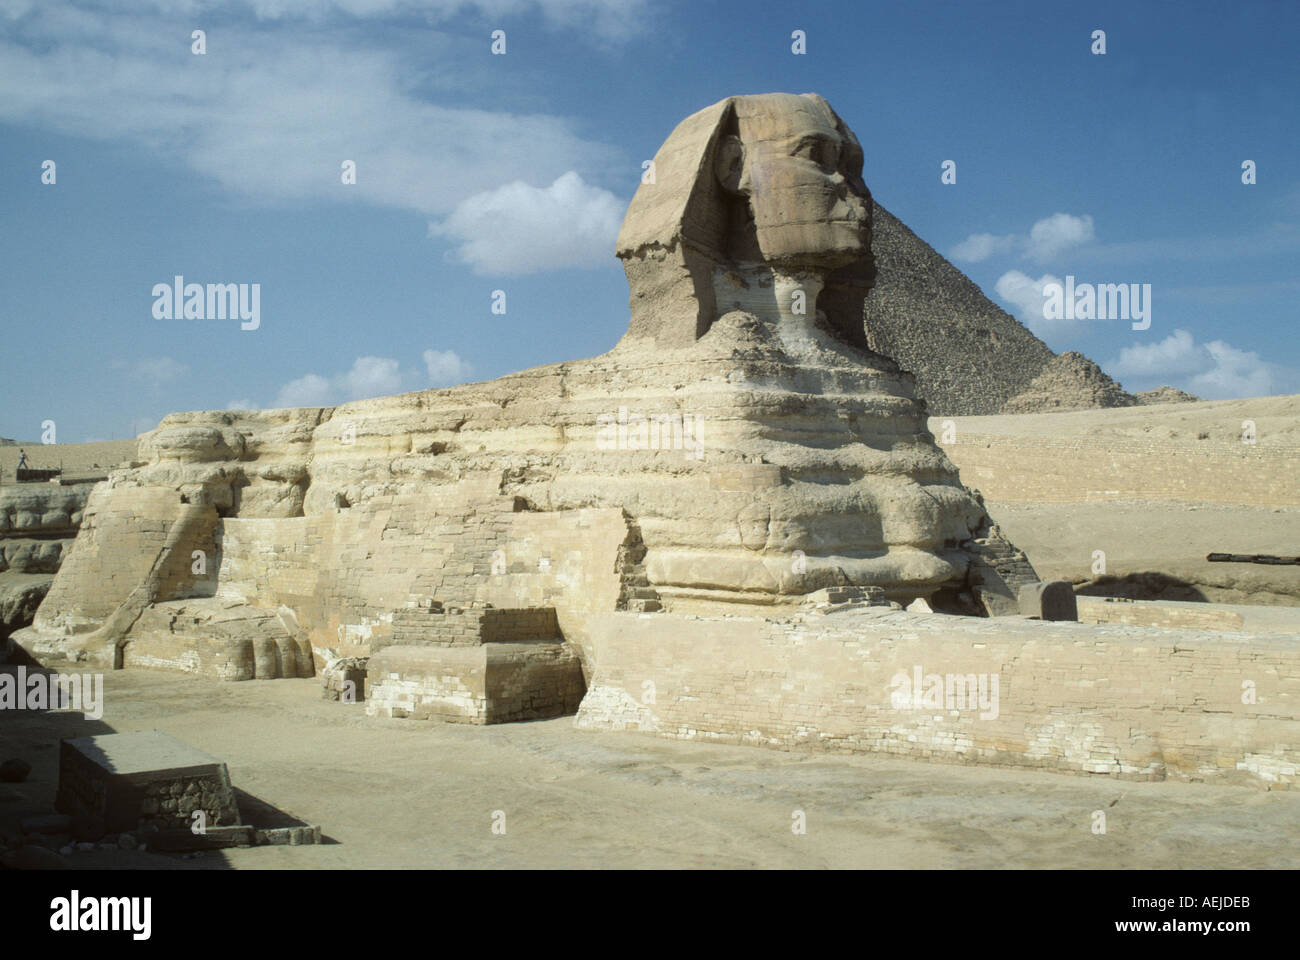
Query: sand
1277	422
393	793
76	459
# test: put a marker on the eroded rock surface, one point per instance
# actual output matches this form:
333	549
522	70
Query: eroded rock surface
37	524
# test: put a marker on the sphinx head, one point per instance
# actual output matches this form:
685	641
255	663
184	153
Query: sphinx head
751	185
796	171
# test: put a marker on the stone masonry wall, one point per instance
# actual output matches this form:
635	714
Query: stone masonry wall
419	626
164	800
1037	469
474	683
532	681
1132	702
346	575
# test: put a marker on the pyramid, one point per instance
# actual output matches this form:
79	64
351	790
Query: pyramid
1069	382
1166	395
969	356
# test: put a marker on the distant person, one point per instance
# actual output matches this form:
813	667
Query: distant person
22	458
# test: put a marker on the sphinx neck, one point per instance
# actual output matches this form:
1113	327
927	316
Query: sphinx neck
784	298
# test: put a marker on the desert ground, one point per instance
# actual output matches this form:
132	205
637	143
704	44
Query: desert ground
1277	422
395	793
1157	540
75	459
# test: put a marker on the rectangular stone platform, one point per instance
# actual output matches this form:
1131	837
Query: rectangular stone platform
489	683
141	783
475	665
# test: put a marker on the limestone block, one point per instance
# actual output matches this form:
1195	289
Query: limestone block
344	679
1049	601
475	683
1010	691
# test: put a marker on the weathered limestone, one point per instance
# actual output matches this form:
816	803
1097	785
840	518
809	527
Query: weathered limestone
154	789
707	530
44	510
219	638
1251	618
38	522
1053	600
344	678
480	665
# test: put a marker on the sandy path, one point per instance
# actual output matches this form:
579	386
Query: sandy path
395	793
1167	538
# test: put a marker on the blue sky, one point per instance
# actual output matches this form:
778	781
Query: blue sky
478	172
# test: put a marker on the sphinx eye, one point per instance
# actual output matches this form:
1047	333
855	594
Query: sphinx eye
819	152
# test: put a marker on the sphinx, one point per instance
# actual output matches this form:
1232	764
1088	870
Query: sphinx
754	198
810	465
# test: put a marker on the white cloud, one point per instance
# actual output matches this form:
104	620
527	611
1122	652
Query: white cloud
607	19
1214	370
14	9
309	391
1177	355
981	246
154	372
445	368
1025	295
518	228
1048	239
1236	373
241	405
369	376
1052	236
372	377
272	110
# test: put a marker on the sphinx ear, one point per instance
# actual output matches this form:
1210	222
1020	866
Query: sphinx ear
729	164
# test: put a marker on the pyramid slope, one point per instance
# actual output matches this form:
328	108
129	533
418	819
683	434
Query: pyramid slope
1070	382
969	356
1166	395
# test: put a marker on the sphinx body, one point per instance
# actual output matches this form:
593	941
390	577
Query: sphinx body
765	453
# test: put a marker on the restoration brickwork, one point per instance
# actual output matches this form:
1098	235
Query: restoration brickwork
1133	702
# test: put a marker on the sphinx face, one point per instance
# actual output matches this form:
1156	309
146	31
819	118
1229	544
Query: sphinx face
802	173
